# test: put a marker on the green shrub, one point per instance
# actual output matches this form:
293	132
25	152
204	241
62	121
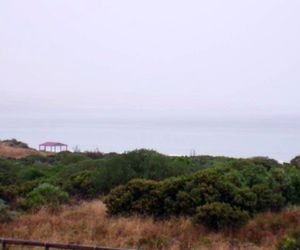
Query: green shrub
265	162
137	197
119	201
8	172
245	199
94	154
268	199
231	184
35	159
218	215
27	187
81	184
252	174
5	214
31	173
9	193
68	158
290	241
45	195
293	194
147	197
296	161
112	172
149	164
175	199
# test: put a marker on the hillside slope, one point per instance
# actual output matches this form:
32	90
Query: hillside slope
17	150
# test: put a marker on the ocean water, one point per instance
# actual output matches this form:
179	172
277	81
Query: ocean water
278	139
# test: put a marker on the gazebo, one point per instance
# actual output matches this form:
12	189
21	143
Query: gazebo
53	146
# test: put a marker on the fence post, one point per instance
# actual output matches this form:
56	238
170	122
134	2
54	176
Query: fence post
4	245
46	246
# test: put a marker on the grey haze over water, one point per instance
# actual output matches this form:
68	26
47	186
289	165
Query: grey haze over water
218	77
239	138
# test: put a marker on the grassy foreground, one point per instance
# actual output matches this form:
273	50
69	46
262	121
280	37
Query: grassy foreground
88	223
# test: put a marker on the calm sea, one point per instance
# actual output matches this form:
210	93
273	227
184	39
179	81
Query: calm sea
279	139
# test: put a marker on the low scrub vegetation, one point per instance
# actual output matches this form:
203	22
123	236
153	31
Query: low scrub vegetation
90	175
226	194
209	194
6	215
45	195
217	215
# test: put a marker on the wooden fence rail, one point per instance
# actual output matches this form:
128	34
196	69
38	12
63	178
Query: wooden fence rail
47	245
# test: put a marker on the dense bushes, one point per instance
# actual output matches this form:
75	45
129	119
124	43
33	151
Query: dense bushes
227	193
45	195
218	215
148	183
138	196
8	173
5	214
81	184
88	175
296	161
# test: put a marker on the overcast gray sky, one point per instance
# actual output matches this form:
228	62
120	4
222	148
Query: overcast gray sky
149	58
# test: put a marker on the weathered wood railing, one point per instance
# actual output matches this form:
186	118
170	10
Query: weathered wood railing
47	245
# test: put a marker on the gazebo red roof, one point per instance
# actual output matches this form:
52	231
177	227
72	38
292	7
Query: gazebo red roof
52	144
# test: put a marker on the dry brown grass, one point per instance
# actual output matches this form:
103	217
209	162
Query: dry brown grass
7	151
268	228
88	223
